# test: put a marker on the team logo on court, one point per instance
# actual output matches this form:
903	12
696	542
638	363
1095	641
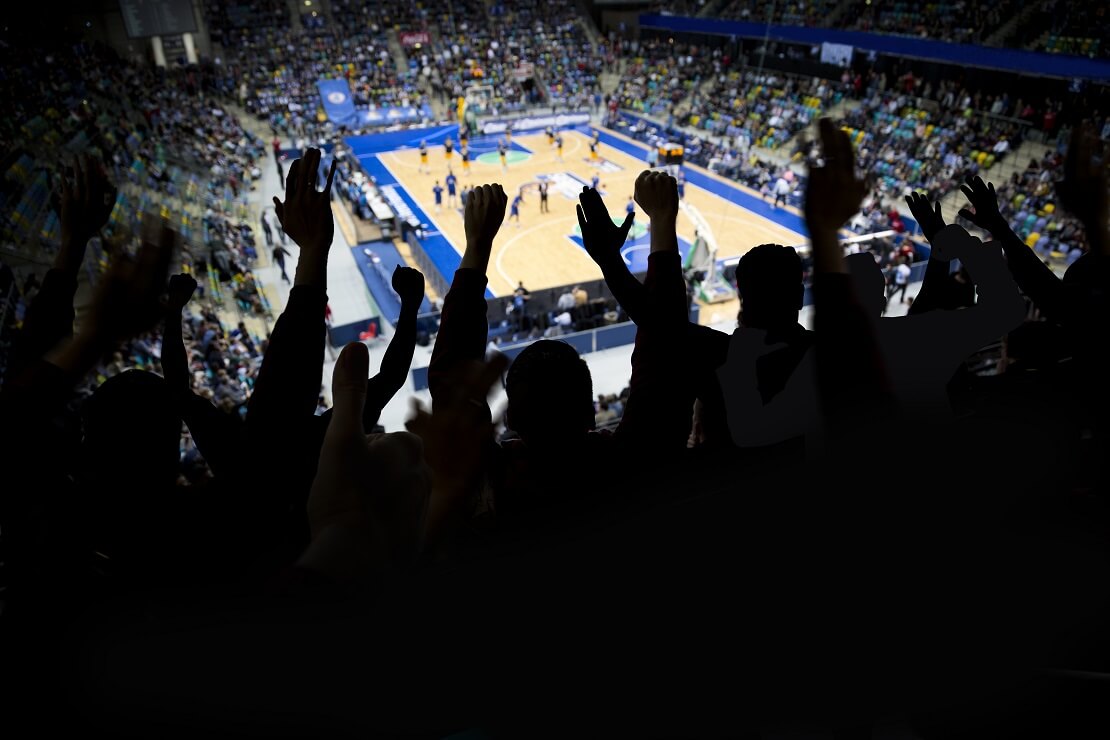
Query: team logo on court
335	98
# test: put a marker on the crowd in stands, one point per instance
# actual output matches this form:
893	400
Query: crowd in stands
1073	28
506	44
960	21
790	12
724	446
273	68
911	148
660	74
766	109
1029	201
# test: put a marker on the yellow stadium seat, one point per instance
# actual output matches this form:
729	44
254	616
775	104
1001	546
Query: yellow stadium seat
1050	208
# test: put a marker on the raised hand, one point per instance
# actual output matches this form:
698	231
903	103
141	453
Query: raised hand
984	202
485	212
834	193
953	242
368	499
928	216
456	436
87	202
657	194
1084	188
128	300
601	237
182	288
409	284
306	213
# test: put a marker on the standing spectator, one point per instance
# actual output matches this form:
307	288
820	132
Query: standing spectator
266	231
899	281
280	253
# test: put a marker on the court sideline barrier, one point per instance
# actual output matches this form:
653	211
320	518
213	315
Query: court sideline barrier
591	340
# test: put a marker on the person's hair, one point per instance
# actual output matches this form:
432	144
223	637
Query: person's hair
131	429
769	280
868	281
550	393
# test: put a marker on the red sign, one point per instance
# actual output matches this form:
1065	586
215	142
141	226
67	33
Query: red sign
412	38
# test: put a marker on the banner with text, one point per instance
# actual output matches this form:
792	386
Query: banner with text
533	123
412	38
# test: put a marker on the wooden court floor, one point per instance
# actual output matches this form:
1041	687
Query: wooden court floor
539	250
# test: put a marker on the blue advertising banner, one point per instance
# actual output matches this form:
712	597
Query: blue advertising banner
340	108
338	103
1011	60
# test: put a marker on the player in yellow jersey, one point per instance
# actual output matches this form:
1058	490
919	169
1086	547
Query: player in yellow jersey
424	157
464	154
448	149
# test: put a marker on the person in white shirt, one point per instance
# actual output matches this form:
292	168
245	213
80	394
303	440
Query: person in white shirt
782	189
900	281
566	301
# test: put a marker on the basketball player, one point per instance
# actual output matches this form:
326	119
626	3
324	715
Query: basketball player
448	148
595	181
514	209
424	157
451	182
509	132
550	136
593	151
543	197
503	152
681	179
465	155
559	147
437	191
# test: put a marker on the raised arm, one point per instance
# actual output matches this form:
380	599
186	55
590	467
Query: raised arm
86	202
851	377
935	285
409	284
288	383
999	307
463	328
381	388
603	240
664	383
1033	276
216	433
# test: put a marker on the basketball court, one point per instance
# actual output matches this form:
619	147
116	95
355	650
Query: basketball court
544	250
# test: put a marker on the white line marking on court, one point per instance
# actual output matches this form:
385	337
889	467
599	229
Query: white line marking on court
398	160
430	216
505	247
626	251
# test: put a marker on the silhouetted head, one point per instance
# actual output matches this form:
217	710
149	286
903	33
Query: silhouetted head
132	432
769	279
867	279
550	394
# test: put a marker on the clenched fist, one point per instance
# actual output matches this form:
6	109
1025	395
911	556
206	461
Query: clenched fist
409	284
485	211
657	194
